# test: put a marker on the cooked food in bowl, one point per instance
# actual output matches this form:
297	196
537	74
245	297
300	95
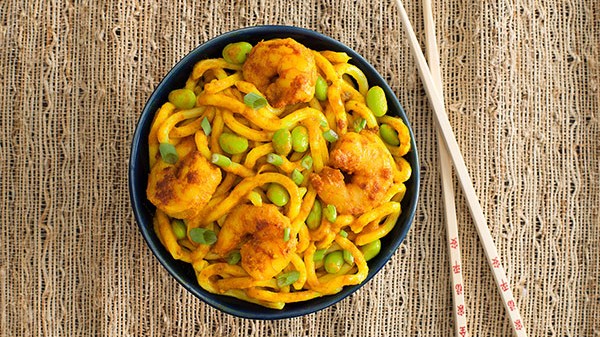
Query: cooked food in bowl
275	172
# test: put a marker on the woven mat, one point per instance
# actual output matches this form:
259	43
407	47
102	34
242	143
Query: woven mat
521	82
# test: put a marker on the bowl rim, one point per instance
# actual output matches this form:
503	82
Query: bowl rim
138	200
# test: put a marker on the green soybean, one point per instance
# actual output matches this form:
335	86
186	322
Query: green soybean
371	249
234	257
334	262
179	229
376	101
300	139
297	177
348	257
282	142
389	135
321	89
278	194
233	144
314	216
237	52
182	98
330	213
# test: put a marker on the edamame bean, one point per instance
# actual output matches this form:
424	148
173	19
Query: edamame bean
376	101
300	139
278	194
182	98
233	144
321	89
371	249
313	220
236	52
234	257
282	142
330	213
179	229
334	262
389	135
297	177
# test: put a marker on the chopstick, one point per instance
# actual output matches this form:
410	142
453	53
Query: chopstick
459	309
464	179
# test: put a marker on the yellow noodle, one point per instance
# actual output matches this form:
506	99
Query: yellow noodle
363	111
161	115
357	74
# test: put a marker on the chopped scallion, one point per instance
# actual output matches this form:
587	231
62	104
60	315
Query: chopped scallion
168	153
203	236
254	100
206	126
330	136
288	278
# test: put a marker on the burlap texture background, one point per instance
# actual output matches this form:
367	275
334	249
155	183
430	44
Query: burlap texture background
521	81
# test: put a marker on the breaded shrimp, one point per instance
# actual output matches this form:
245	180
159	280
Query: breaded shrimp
283	69
183	189
360	173
260	230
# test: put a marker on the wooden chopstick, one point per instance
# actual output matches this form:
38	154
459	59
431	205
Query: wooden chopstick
458	297
464	179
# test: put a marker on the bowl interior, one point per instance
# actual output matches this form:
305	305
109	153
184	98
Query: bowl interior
138	171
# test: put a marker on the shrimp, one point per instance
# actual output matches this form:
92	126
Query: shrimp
361	173
283	69
260	230
183	189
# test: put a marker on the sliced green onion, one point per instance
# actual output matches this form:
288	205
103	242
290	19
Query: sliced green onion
330	136
274	159
323	123
330	213
220	160
203	236
319	255
297	177
234	257
254	100
348	257
206	126
359	124
286	234
307	162
302	191
179	229
168	153
343	233
288	278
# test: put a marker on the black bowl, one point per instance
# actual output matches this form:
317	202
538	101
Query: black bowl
139	169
